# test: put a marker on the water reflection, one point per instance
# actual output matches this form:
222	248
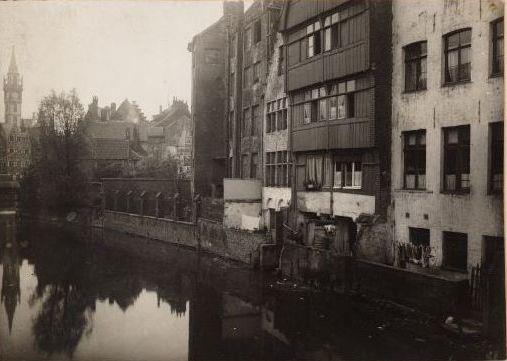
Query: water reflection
89	296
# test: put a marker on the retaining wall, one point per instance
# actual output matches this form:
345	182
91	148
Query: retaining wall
162	229
210	235
432	293
231	243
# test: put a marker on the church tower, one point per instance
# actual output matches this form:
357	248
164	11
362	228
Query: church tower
13	89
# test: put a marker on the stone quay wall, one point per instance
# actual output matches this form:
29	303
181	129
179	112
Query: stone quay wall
209	235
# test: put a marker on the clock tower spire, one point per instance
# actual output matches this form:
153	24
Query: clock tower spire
13	90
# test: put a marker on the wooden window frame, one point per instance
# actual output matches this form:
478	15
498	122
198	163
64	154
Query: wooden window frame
413	151
257	32
495	181
462	149
459	48
497	67
414	55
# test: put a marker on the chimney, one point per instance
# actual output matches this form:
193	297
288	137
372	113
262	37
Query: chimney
160	109
113	108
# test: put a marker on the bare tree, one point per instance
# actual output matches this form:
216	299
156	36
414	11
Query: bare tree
54	180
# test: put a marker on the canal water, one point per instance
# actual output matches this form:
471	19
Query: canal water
83	295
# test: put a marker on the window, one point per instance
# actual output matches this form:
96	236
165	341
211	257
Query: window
419	236
331	32
247	77
253	165
414	152
232	85
455	249
497	47
307	113
246	121
313	39
314	171
333	108
278	168
458	61
248	38
496	157
255	119
256	71
276	118
331	102
233	44
281	60
347	174
244	166
282	119
231	124
344	102
257	32
270	169
322	110
457	159
415	66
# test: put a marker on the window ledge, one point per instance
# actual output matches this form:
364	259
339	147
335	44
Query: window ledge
457	83
417	91
406	190
456	193
452	269
498	193
496	75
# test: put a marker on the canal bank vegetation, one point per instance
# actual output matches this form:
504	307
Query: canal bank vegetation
53	182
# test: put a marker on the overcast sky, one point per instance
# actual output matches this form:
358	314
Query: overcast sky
115	50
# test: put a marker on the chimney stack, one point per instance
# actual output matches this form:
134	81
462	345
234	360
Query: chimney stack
113	108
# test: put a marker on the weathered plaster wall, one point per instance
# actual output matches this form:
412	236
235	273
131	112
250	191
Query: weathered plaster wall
352	205
230	243
275	197
234	213
477	103
242	189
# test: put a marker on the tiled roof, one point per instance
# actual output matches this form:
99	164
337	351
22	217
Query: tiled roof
114	130
110	149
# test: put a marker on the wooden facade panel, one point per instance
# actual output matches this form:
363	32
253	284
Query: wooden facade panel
349	61
310	139
300	11
305	75
350	135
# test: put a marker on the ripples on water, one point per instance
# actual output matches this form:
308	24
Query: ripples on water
67	295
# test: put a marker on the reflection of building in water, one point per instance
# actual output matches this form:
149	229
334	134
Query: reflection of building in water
226	327
175	301
10	295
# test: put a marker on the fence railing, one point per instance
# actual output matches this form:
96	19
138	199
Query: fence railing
477	287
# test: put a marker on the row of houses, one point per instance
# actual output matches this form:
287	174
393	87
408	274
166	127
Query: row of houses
117	141
372	127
